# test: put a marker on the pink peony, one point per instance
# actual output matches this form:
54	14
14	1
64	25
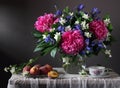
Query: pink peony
72	42
45	22
99	29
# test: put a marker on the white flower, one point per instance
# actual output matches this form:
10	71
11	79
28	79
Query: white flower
57	36
44	36
77	22
25	73
108	38
65	60
62	21
6	69
108	52
88	34
84	25
12	70
104	45
71	13
87	26
67	28
107	21
62	15
51	30
85	16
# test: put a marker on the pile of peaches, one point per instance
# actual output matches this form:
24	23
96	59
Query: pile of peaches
38	70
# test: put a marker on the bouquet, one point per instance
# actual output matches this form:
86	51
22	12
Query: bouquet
74	34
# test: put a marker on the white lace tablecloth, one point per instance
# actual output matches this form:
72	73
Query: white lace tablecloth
65	81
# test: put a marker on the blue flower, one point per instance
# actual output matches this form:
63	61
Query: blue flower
87	41
82	52
58	13
68	17
100	45
77	27
95	11
88	48
61	28
48	39
80	7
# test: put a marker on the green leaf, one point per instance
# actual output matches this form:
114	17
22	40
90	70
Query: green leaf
37	34
53	52
55	25
37	49
46	50
66	10
107	16
110	27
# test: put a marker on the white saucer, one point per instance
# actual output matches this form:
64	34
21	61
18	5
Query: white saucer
101	76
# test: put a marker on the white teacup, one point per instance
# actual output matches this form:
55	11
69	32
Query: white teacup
96	70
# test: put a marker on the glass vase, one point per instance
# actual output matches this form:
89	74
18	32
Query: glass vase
73	66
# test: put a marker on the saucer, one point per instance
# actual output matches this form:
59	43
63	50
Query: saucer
106	75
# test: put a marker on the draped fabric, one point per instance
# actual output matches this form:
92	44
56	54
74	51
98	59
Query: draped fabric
65	81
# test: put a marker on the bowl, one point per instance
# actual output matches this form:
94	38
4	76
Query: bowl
96	70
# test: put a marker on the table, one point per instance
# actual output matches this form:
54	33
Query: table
65	81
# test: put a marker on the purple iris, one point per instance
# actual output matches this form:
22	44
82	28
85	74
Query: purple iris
61	28
80	7
78	27
100	45
68	17
88	48
95	11
87	41
82	52
48	39
58	13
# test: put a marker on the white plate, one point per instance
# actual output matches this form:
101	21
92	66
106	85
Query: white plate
102	76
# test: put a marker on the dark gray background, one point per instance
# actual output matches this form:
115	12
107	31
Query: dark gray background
17	43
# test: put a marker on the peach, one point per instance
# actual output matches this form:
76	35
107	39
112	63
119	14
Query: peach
49	67
34	70
26	68
53	74
45	69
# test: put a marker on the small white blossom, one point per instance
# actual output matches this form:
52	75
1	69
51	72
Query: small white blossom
51	30
108	52
67	28
25	73
44	36
104	45
88	34
107	21
12	70
66	60
108	38
62	15
71	13
83	24
6	69
77	22
57	36
85	16
87	26
62	21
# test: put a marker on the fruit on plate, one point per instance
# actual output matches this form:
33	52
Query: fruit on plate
53	74
45	69
35	70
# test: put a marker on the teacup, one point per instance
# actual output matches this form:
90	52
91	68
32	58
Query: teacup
96	70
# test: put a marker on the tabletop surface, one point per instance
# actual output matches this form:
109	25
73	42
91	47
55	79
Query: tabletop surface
112	80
